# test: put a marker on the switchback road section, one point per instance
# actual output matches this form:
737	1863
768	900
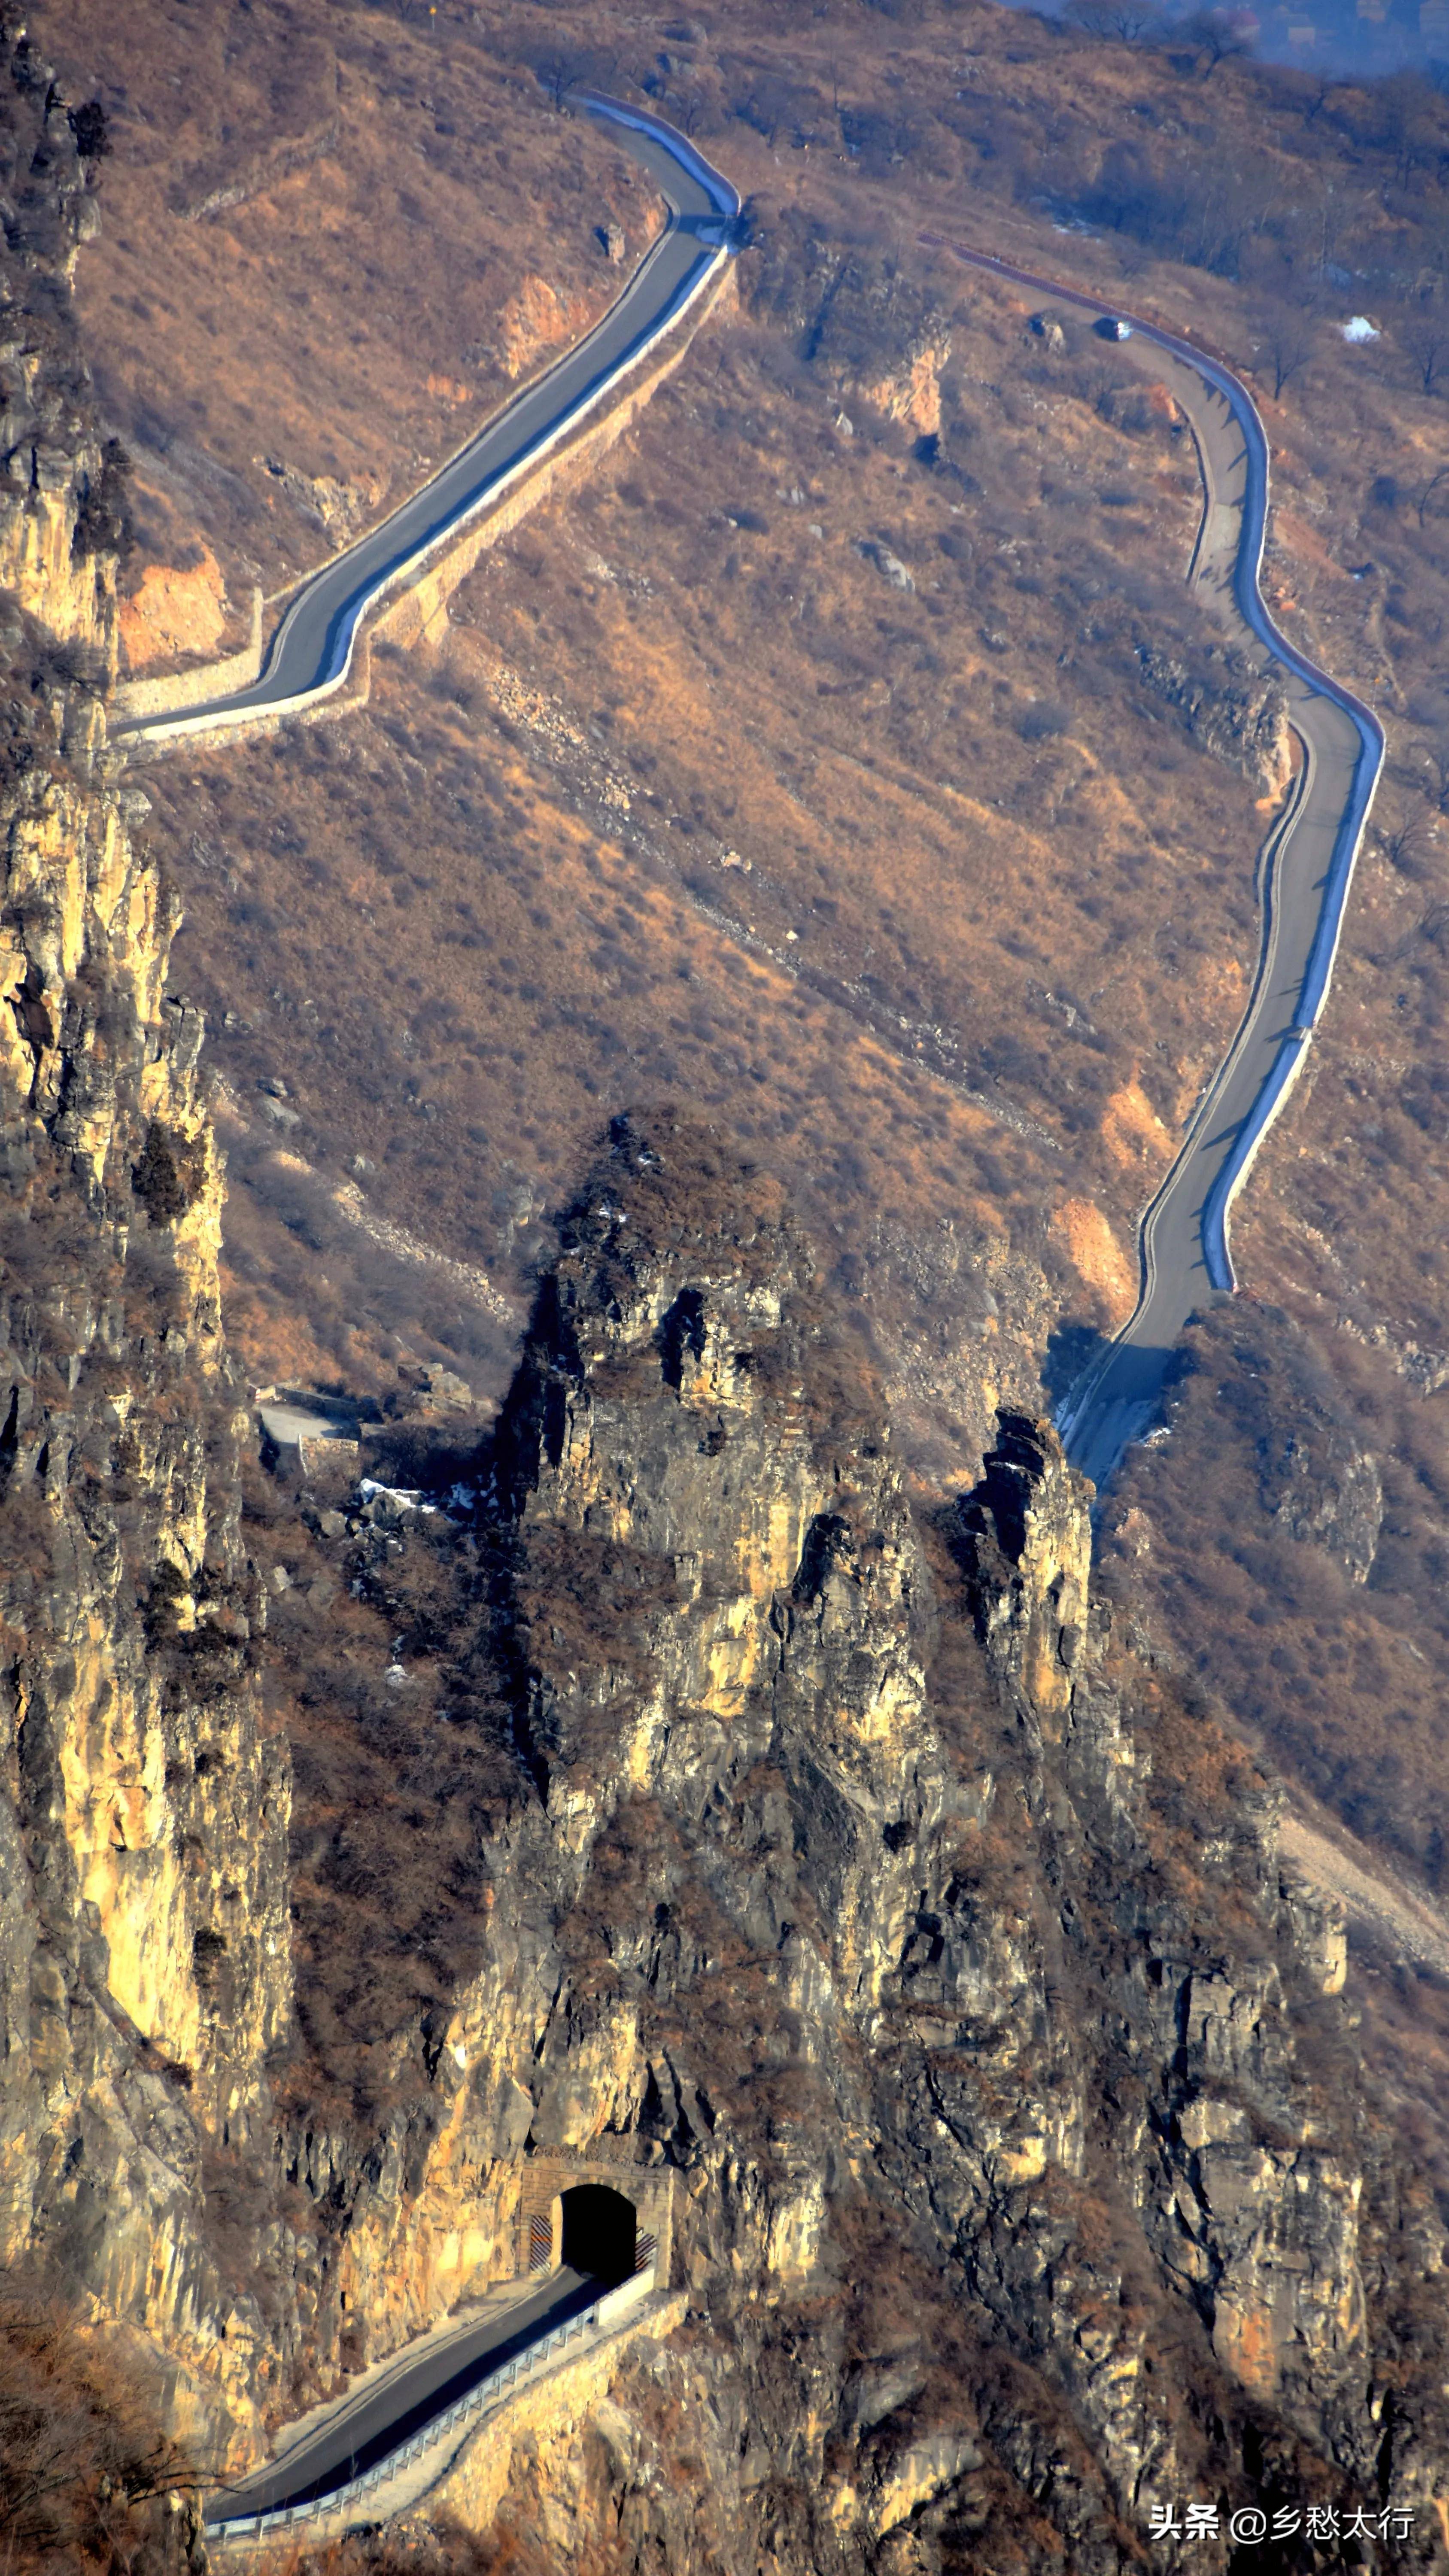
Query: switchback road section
1307	872
310	656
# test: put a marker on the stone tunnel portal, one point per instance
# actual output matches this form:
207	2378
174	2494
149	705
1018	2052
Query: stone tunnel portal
598	2231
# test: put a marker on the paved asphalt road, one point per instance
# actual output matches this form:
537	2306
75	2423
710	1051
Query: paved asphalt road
311	651
1307	871
1309	863
1184	1235
388	2415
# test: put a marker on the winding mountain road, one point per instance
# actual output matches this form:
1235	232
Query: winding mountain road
1310	857
372	2425
1184	1234
310	655
1307	871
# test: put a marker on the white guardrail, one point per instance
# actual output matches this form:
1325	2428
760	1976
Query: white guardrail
492	2390
1338	877
226	714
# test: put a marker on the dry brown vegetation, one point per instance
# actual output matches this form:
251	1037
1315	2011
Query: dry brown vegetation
1213	1531
85	2478
396	1784
811	776
309	198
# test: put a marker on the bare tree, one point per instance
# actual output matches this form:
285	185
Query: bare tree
1411	127
835	99
1287	345
1407	843
1424	334
1436	778
1313	95
1430	488
769	105
559	68
1332	216
1122	22
558	74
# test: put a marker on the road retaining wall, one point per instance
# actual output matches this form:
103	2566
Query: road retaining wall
460	2465
418	611
420	614
474	2484
134	699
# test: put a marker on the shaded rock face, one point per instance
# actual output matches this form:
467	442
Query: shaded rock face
1237	713
1328	1489
1028	1550
856	315
1023	2181
1316	1478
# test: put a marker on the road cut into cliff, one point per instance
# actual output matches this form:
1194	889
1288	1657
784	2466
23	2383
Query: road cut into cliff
410	2432
1306	874
310	658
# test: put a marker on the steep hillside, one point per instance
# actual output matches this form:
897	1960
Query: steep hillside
843	761
670	1770
144	1942
843	1869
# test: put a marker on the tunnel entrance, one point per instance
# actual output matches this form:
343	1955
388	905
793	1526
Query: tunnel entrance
598	2231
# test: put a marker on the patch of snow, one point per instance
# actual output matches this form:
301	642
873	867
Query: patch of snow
370	1489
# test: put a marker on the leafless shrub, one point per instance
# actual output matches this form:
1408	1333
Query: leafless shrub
1044	718
81	2458
1122	22
1407	843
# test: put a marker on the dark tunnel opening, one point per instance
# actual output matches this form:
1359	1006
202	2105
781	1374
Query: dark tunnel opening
598	2231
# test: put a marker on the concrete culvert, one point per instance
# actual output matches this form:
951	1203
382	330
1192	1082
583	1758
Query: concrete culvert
598	2231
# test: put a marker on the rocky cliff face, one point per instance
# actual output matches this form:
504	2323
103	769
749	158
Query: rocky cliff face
1024	2185
1234	711
143	1948
670	1803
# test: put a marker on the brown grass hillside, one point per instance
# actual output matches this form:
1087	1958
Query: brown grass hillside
803	766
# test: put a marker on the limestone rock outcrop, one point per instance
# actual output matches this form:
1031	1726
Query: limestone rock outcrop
1024	2182
1237	713
143	1913
827	1875
997	2069
856	314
